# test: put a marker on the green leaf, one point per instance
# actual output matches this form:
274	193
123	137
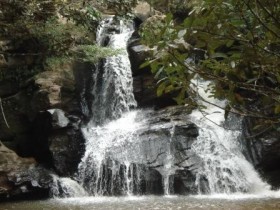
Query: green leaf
154	67
161	88
169	17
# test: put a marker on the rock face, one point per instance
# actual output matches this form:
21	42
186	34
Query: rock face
166	145
21	177
50	89
44	116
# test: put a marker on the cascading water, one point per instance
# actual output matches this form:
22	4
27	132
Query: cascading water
224	167
123	151
112	89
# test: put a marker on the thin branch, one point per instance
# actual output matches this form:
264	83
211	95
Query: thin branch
3	114
269	13
255	88
249	87
261	21
19	54
257	134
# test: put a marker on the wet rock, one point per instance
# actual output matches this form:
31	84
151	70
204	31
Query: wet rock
17	123
168	140
47	90
182	135
39	143
152	183
184	183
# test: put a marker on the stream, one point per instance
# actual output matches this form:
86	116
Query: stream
234	202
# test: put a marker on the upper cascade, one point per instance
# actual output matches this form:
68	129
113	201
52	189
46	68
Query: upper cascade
112	88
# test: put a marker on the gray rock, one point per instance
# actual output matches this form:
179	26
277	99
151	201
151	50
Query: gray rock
21	177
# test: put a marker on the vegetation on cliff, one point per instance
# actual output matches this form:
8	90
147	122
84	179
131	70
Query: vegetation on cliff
45	34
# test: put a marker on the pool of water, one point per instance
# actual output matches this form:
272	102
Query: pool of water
234	202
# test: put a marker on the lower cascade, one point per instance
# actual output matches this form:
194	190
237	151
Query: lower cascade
224	169
137	152
66	187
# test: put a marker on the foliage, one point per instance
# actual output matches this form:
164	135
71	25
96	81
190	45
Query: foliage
49	31
239	42
92	53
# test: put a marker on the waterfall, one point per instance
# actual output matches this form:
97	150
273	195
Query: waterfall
113	93
123	150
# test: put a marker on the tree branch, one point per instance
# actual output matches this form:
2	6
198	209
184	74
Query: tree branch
3	114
